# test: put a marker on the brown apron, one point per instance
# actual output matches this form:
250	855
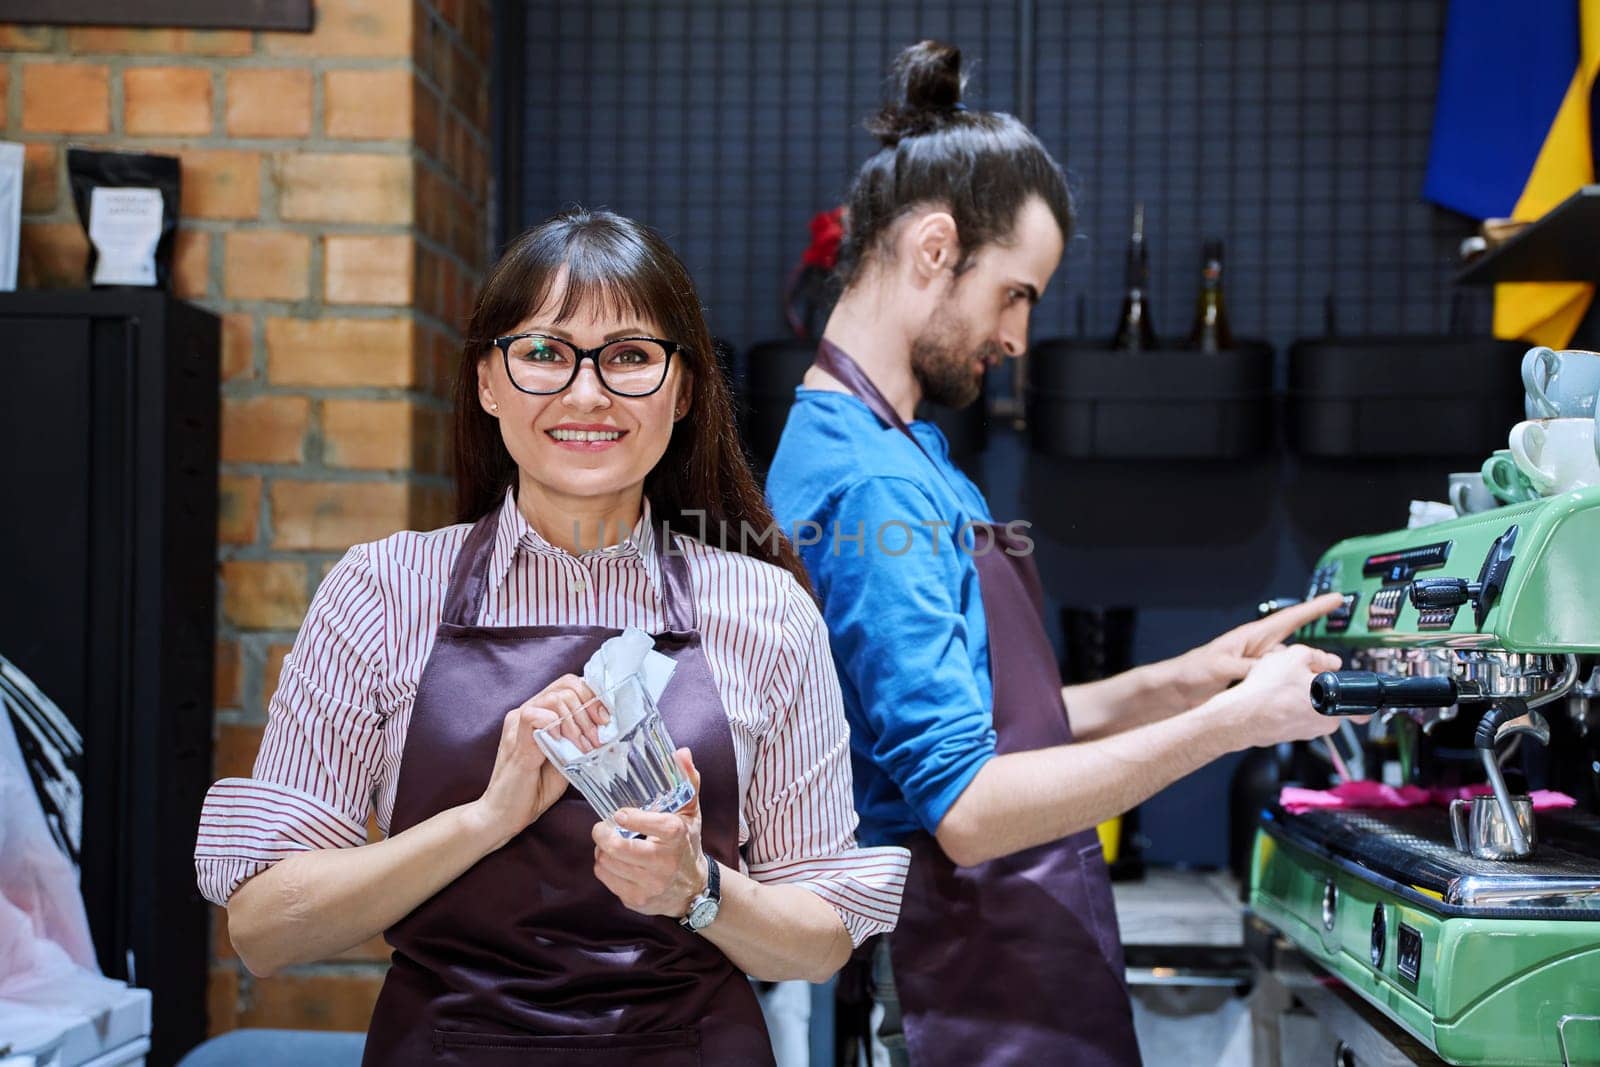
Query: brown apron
526	957
1017	960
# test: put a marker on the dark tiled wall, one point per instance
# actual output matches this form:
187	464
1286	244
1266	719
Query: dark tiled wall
1297	131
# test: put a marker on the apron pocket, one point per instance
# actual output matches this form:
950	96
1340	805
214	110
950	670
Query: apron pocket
666	1048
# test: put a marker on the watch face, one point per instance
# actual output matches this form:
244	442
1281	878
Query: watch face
701	914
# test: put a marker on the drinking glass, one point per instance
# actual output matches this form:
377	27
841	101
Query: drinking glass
633	767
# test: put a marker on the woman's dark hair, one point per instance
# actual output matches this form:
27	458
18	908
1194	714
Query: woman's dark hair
982	165
629	269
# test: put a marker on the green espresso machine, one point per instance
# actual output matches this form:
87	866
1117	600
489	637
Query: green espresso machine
1475	927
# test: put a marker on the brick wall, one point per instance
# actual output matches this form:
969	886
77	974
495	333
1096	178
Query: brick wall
334	195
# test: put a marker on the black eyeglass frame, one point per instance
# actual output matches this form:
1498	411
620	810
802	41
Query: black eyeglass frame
580	354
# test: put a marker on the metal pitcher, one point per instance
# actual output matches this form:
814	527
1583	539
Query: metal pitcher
1480	830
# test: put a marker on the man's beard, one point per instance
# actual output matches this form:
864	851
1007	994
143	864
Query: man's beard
941	362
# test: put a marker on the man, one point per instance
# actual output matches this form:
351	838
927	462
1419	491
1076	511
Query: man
1007	949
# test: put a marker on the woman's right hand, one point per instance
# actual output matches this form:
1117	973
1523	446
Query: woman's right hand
524	783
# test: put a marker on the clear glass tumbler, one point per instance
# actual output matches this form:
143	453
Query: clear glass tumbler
633	768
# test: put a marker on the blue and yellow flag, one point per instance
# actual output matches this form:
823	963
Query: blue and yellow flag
1514	134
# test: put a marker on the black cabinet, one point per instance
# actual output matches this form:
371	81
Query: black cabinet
108	480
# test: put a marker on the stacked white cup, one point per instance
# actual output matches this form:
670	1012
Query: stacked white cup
1558	447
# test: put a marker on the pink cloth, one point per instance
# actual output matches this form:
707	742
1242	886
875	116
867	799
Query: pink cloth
1543	799
1361	794
1358	794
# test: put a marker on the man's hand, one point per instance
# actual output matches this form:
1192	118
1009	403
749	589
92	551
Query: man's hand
1273	703
1202	673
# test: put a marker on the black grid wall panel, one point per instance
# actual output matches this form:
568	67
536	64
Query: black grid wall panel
1296	132
726	125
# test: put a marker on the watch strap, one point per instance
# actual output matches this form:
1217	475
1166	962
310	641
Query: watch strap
713	880
711	895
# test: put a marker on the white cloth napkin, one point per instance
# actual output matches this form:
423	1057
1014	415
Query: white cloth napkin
1428	512
630	652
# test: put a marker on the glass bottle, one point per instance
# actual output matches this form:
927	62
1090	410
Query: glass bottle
1135	331
1209	332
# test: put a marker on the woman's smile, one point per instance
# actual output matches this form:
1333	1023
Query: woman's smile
586	437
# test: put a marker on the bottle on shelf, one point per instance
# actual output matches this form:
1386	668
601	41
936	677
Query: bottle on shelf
1135	332
1209	331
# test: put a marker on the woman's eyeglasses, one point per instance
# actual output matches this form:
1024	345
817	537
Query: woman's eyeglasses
629	366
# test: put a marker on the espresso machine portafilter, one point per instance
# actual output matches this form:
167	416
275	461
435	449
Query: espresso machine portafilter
1474	678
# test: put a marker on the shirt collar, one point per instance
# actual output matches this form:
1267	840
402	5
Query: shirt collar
513	534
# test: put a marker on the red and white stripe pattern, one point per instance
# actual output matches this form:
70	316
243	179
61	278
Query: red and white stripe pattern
337	723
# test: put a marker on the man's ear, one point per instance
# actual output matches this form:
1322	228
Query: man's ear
934	244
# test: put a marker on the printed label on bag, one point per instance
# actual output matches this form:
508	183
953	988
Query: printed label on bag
125	226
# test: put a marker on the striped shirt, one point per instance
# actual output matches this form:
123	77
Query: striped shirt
337	723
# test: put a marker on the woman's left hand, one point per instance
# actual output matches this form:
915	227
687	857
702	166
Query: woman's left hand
662	872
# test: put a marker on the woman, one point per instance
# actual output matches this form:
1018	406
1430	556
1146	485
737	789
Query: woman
588	412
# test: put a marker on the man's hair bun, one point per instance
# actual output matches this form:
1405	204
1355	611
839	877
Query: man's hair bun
928	82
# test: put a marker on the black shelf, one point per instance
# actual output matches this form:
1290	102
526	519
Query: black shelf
1086	401
1398	396
1559	247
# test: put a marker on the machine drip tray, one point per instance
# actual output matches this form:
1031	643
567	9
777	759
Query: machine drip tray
1411	848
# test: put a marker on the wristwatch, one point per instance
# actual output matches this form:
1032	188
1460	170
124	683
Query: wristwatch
703	908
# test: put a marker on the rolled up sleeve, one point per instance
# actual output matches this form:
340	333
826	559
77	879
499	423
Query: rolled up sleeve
313	780
902	644
799	810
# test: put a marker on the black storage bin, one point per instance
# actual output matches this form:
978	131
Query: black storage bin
1396	396
772	372
774	369
1086	401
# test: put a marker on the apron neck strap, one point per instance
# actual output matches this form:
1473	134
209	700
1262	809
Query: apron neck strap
677	587
469	578
848	373
470	574
835	361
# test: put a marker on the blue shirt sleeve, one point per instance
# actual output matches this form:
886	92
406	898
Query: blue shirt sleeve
892	603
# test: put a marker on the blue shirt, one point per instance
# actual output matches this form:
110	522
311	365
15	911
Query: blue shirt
904	615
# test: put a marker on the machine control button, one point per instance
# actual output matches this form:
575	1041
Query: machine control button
1380	936
1330	904
1338	620
1435	594
1436	619
1322	579
1385	607
1408	953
